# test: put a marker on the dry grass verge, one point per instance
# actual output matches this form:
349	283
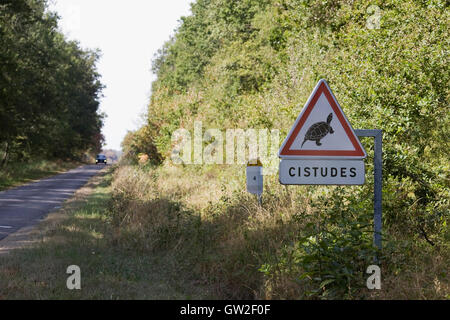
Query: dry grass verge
304	242
81	234
170	232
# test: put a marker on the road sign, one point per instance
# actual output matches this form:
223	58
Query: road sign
306	171
322	148
255	178
322	130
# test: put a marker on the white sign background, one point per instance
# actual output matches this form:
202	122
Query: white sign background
290	176
332	141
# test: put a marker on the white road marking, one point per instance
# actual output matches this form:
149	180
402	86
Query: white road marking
6	227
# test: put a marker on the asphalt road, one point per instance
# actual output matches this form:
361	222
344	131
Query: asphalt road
27	205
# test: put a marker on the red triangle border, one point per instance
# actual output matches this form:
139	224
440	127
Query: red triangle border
358	152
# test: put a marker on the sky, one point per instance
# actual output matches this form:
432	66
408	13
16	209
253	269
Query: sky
128	33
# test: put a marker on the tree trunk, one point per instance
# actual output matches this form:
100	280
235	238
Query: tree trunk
5	157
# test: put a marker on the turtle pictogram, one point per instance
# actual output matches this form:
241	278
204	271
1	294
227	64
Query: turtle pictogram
319	130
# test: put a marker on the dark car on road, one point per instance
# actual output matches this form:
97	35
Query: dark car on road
101	158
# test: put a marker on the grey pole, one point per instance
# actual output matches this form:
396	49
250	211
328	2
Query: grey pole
378	189
378	180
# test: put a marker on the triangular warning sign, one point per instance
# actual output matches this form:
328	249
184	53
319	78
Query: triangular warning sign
322	130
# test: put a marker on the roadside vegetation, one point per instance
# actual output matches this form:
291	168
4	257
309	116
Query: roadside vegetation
312	244
159	232
252	64
50	88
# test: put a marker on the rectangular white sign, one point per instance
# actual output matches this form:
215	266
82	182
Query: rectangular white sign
255	180
339	172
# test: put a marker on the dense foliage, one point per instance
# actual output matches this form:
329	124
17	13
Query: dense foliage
252	64
49	87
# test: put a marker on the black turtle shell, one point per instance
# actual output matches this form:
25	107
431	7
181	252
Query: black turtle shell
317	131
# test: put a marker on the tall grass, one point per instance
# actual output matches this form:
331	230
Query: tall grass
304	242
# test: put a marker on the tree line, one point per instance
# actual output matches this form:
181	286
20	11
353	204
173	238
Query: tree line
49	87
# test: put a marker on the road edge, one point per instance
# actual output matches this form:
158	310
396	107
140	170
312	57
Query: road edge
30	235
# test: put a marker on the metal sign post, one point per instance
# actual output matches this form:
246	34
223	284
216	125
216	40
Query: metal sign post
378	180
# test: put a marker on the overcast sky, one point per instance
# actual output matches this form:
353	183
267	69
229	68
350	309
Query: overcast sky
128	33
